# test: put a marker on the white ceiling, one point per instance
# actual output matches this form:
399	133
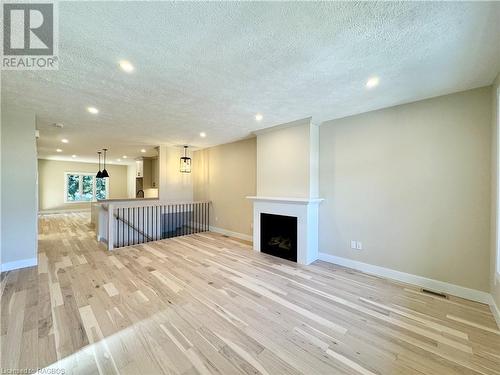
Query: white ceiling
211	66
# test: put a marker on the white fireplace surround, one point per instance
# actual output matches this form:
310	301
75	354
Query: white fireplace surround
306	212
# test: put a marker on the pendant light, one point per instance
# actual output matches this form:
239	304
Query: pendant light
104	171
185	162
99	174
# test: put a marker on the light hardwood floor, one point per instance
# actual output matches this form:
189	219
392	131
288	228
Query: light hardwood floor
207	304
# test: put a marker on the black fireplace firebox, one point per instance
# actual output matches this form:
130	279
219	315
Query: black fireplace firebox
278	236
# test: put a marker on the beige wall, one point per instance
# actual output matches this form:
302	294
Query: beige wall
226	175
284	161
51	183
412	183
174	185
18	188
495	121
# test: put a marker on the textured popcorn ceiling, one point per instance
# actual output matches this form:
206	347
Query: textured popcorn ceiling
211	66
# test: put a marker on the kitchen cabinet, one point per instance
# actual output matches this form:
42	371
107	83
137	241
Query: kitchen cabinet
147	173
139	166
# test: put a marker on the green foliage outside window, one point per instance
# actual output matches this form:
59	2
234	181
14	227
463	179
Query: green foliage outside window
88	188
100	188
82	187
73	187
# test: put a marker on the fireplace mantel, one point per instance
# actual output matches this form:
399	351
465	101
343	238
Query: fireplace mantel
287	168
306	212
287	199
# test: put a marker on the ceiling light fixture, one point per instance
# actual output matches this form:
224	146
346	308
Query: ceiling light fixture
259	117
126	66
185	162
203	134
58	150
118	159
93	110
64	140
73	156
99	174
372	82
124	156
104	171
143	150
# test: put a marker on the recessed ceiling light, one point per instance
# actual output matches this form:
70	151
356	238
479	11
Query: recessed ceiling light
58	150
73	156
64	140
118	159
93	110
259	117
126	66
372	82
203	134
124	156
143	150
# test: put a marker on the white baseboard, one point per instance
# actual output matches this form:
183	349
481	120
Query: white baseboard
9	266
226	232
435	285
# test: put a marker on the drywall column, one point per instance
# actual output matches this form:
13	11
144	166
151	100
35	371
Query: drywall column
131	174
313	161
174	185
495	178
288	160
18	189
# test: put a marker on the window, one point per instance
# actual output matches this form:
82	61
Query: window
84	187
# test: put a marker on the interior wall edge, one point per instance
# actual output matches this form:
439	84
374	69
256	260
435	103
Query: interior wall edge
494	235
17	264
495	310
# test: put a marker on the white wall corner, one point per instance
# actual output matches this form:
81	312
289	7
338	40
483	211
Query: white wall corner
18	264
495	310
313	161
131	175
432	284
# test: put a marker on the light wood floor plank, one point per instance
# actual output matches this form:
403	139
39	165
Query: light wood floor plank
207	304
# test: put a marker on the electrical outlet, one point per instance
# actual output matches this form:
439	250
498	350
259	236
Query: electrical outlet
353	244
359	245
